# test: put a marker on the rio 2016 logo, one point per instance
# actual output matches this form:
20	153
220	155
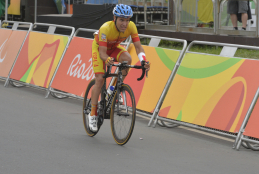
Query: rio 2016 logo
79	70
1	50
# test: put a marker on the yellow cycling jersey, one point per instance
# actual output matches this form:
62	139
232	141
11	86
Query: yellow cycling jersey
110	37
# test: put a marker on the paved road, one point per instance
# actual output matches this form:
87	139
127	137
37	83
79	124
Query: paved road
46	136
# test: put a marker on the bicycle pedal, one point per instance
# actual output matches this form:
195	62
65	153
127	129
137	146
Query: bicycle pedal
100	121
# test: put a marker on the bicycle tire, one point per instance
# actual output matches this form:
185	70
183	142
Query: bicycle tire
126	122
16	84
87	108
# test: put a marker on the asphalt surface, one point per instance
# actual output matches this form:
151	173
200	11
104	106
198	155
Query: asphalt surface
47	136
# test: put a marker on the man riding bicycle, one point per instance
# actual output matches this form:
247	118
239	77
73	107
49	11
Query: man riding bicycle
106	50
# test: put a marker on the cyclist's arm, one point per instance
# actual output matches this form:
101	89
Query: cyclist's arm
138	47
102	40
141	54
140	51
102	52
136	41
104	56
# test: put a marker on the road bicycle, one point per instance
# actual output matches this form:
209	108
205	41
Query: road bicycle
120	107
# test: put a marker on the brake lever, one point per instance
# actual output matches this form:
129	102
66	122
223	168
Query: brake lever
143	71
147	71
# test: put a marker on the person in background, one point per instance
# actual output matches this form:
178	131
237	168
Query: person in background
239	10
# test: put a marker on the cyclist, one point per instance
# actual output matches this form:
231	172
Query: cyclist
106	50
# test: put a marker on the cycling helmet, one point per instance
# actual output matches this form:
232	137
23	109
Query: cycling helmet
121	10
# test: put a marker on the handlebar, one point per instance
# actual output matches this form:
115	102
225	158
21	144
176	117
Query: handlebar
124	65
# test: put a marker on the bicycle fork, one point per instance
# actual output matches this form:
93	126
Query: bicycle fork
119	84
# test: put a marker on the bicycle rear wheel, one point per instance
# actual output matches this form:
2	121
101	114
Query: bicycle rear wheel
122	123
87	108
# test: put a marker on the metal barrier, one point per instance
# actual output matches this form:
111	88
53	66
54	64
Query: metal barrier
51	31
155	44
11	60
69	94
240	136
156	117
60	92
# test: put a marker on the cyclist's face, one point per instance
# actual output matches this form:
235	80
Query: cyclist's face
122	23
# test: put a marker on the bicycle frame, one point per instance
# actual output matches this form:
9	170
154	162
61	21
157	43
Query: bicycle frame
106	108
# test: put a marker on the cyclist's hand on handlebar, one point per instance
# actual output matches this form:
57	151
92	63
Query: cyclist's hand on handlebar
147	66
109	61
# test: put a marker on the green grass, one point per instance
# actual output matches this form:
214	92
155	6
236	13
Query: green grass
243	53
208	49
247	53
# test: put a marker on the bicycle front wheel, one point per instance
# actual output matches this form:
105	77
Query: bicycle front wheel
123	118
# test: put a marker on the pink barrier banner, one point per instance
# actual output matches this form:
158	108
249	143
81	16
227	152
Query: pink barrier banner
252	129
39	58
148	90
75	71
10	50
4	36
212	91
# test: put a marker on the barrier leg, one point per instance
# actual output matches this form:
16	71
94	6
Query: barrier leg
152	118
6	82
237	139
155	122
249	112
47	93
239	143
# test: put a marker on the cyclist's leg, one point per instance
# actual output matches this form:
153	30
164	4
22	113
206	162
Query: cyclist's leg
98	67
125	56
121	54
99	80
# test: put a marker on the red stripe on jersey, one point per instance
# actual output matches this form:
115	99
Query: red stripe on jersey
136	39
102	43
